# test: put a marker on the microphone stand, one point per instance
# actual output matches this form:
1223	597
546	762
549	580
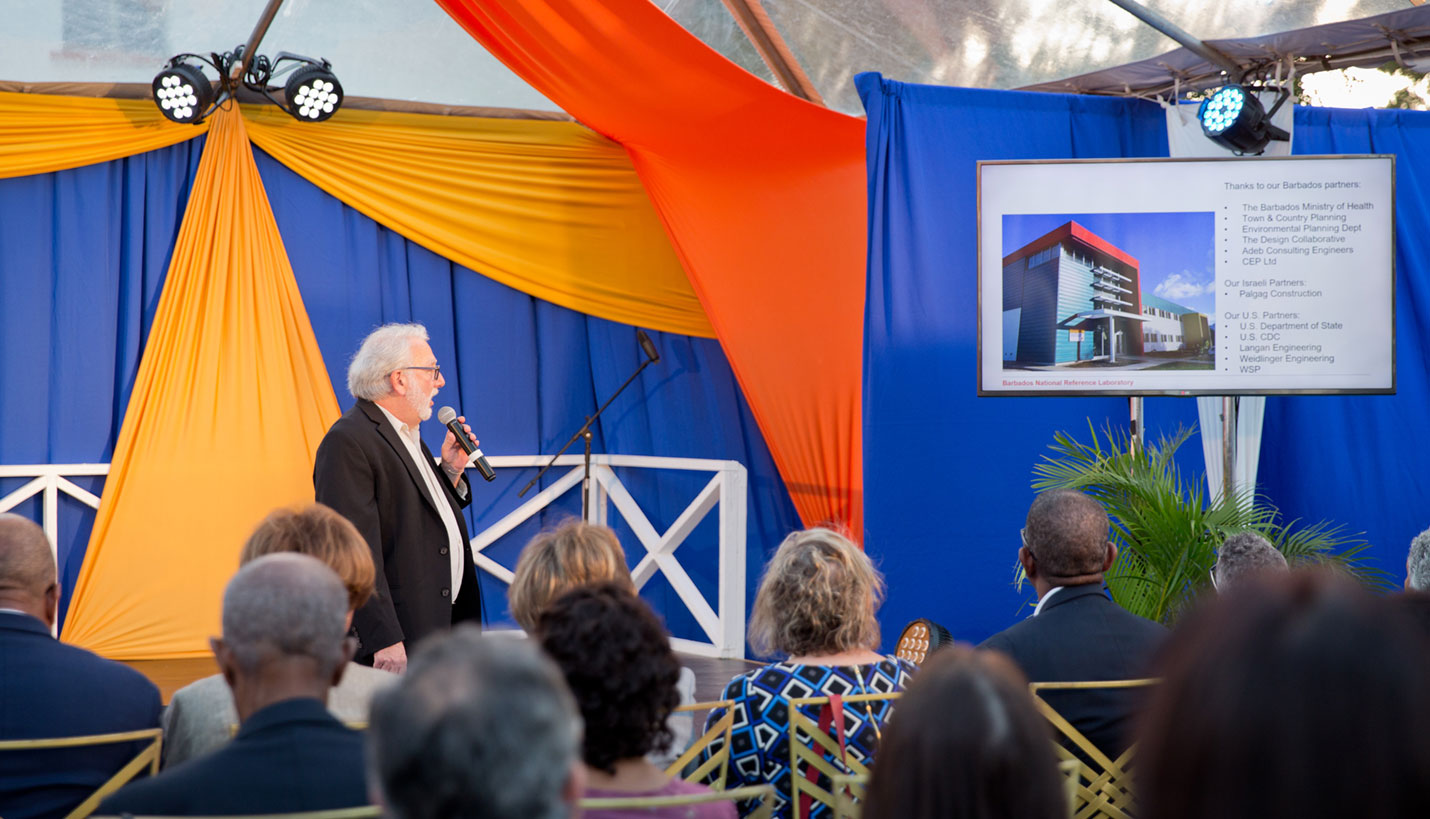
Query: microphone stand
585	432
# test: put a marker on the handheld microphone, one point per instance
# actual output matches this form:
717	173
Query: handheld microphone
448	416
648	346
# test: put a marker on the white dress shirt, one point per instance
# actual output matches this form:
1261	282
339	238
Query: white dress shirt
455	547
1054	590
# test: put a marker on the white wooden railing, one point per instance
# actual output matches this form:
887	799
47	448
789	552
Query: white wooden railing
723	623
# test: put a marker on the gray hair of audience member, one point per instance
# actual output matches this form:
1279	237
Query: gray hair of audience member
282	606
1243	555
476	727
1067	533
385	349
1417	564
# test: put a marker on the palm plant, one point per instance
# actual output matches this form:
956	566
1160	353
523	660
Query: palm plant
1166	529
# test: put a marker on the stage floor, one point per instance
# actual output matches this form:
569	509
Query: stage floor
170	675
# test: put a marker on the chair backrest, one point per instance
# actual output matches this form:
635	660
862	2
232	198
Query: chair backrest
720	759
147	757
364	812
845	786
805	758
1103	786
764	793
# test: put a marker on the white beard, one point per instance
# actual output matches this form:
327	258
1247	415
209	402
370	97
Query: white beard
421	404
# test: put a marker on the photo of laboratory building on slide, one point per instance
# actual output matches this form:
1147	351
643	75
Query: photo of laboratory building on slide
1132	291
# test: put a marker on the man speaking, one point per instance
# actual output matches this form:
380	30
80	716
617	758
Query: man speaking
373	468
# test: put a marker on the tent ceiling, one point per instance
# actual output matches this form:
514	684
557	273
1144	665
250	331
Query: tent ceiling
410	50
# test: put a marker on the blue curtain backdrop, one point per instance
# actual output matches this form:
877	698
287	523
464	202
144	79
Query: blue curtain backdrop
83	254
1356	459
947	474
526	373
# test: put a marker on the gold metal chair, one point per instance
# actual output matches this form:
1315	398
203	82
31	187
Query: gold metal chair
147	757
1071	769
844	786
720	759
765	793
1102	789
803	757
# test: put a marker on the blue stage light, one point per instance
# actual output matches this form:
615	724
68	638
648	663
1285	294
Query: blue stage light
1234	118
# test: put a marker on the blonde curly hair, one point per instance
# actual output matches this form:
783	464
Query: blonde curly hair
575	553
818	596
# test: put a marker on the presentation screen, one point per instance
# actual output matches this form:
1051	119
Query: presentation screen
1187	277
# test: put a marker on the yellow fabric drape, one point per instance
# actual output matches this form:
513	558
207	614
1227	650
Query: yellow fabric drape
40	133
229	404
548	208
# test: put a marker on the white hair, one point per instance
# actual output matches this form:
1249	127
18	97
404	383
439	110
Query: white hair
385	349
1417	567
476	727
285	605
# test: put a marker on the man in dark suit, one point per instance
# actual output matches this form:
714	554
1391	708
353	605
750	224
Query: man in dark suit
49	689
1076	632
283	647
373	468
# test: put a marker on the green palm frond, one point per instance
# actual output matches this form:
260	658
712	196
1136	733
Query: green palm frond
1167	530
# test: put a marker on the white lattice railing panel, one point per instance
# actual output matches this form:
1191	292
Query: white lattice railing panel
50	480
723	623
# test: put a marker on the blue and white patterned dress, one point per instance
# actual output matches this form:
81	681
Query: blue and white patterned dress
759	740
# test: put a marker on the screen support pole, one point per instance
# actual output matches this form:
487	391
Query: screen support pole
1228	445
1137	421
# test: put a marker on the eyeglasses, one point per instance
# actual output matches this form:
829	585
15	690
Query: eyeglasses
434	369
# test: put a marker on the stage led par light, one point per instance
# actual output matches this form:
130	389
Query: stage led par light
1234	118
921	638
311	93
182	92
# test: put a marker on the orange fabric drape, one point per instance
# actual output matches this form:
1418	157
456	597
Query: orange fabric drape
40	133
229	404
763	196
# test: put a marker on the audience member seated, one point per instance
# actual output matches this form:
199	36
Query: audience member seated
1077	633
816	604
618	664
283	648
477	727
201	716
1242	556
967	744
49	689
1417	563
577	553
1299	696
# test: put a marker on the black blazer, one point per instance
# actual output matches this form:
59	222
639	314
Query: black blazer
364	472
50	689
290	757
1081	635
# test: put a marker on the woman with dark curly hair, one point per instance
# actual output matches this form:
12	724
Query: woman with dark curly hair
618	663
816	606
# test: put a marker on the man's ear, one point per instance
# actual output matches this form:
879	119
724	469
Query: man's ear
1111	556
350	645
575	787
1028	562
223	655
52	604
397	382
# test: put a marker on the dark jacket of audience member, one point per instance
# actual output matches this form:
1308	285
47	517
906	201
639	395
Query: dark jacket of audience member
284	647
968	744
1078	633
1300	696
49	689
618	664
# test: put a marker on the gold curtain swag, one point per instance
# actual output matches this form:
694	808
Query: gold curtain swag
41	133
229	404
550	209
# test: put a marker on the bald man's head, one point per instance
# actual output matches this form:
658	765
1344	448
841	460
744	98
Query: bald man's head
27	569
